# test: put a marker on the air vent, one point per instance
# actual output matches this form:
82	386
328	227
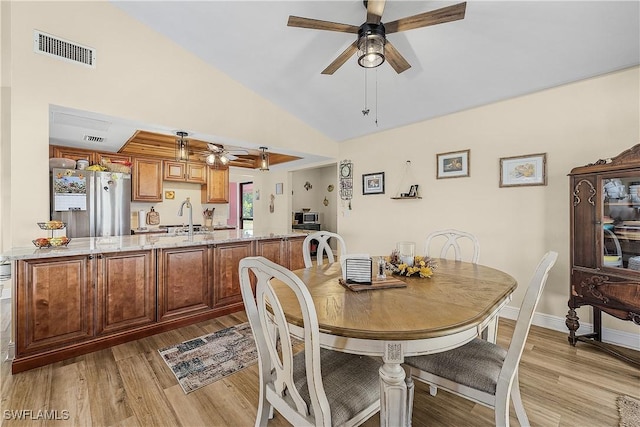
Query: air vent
63	49
91	138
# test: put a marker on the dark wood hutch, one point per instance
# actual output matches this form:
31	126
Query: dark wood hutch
605	246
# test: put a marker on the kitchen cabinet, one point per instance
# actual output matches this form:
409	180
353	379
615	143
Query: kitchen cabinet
272	249
146	180
183	282
216	189
54	303
605	245
293	247
226	280
126	290
73	153
185	171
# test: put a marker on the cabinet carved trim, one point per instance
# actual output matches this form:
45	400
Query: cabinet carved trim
591	284
576	193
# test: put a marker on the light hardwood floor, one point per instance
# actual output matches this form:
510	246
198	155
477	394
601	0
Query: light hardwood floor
129	385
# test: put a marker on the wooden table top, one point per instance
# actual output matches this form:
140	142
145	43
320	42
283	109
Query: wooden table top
458	296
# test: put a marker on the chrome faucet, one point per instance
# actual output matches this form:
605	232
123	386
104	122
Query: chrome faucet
188	204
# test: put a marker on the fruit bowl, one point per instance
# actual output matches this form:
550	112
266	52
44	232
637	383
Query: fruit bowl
52	225
41	242
59	241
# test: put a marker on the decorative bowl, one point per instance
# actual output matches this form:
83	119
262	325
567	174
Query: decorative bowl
59	162
59	241
305	210
52	225
41	242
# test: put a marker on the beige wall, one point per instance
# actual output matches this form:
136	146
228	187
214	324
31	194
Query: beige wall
139	76
142	76
574	124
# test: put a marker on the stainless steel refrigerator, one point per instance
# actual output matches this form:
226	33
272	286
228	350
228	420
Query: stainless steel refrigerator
92	204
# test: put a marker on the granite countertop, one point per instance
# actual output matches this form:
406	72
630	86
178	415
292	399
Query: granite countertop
91	245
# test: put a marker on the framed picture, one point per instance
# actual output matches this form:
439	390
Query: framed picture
279	188
373	183
454	164
520	171
413	191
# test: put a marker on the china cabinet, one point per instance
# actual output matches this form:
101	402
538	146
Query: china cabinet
605	245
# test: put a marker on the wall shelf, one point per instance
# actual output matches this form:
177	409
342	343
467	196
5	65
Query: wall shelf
404	198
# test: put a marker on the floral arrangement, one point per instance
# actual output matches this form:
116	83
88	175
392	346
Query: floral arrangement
422	266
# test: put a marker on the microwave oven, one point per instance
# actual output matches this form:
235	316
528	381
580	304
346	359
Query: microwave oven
310	217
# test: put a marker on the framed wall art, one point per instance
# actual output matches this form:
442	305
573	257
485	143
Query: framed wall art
454	164
520	171
279	188
373	183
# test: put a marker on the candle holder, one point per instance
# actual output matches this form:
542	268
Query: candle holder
407	252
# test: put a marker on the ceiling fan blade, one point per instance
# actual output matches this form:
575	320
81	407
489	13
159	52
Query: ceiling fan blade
395	59
374	10
316	24
433	17
340	60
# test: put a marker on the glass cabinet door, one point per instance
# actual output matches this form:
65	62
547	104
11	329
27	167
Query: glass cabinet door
621	222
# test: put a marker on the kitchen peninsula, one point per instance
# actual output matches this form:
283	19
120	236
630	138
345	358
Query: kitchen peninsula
100	292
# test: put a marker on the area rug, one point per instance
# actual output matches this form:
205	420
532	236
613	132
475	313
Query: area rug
629	409
206	359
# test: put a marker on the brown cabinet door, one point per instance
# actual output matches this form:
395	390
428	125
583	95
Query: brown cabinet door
183	282
74	153
226	281
273	249
583	209
294	252
54	303
126	291
196	173
174	170
146	180
217	188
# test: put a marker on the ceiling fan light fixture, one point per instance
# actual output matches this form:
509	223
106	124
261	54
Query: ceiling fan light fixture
182	146
371	41
216	159
264	159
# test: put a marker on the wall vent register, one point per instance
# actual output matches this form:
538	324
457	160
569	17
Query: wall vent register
57	47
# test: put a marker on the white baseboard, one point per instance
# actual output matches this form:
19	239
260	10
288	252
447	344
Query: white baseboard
611	336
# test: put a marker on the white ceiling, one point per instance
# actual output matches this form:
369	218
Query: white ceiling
500	50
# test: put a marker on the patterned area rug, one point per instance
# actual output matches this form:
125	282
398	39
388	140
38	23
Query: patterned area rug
629	409
208	358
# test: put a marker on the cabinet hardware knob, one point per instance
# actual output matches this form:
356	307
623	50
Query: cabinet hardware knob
90	257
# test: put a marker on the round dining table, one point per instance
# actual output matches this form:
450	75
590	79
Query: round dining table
428	315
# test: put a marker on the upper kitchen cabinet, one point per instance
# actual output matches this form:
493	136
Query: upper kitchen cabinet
217	188
185	171
146	180
72	153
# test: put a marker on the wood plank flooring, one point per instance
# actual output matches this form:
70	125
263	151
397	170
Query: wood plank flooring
129	385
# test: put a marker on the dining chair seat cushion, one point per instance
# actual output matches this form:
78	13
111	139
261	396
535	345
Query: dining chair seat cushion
476	364
351	382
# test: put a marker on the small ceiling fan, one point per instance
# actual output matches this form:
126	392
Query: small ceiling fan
372	42
217	154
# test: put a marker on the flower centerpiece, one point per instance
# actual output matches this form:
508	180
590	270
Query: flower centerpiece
422	266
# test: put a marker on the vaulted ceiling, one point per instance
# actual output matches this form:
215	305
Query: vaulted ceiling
500	50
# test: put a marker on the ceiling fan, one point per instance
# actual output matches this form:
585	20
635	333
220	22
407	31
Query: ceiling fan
218	155
372	43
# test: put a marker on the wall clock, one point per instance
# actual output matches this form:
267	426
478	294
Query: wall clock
345	170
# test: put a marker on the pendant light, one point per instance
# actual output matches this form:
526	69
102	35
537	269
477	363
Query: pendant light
264	159
182	146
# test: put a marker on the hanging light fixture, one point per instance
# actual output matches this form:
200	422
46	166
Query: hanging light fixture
264	159
182	146
371	42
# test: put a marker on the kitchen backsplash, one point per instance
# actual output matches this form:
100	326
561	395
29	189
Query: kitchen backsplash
168	208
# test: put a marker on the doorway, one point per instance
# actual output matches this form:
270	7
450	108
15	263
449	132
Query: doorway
246	208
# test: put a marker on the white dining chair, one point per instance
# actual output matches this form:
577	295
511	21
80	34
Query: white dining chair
314	387
453	237
323	248
480	370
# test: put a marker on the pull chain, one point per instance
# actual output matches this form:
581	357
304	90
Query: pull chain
376	97
365	111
